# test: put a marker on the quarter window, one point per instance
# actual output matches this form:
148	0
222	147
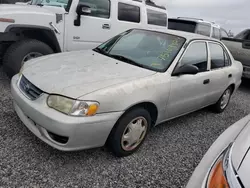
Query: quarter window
129	13
196	54
219	58
203	29
216	33
99	8
156	18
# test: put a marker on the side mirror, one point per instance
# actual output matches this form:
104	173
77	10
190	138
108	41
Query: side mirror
185	69
246	44
81	9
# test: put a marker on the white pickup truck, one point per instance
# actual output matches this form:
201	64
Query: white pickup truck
240	49
42	27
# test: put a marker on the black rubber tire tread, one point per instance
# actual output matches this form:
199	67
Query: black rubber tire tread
217	107
114	140
17	51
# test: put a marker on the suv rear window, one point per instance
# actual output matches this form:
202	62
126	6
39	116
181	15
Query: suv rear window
181	25
216	33
129	13
203	29
156	18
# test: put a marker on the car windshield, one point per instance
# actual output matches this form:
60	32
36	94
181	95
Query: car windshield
55	3
147	49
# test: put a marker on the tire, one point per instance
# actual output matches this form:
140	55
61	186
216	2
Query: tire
219	107
115	141
15	54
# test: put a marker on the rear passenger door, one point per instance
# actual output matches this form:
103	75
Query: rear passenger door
128	15
220	71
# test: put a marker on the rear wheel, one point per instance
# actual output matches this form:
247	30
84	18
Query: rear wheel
224	100
22	51
129	132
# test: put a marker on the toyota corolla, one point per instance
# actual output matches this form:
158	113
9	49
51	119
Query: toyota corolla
116	92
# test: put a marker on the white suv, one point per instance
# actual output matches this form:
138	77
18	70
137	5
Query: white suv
195	25
43	27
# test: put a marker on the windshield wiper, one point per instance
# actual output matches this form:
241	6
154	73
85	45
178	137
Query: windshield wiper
125	59
101	51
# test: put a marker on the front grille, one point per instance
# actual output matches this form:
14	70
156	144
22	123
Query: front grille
28	89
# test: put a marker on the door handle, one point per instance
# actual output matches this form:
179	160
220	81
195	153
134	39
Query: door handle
207	81
230	76
106	26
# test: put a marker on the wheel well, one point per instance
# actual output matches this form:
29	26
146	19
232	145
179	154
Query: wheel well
233	87
45	35
150	107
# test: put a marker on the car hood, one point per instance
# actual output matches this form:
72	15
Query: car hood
75	74
241	155
17	9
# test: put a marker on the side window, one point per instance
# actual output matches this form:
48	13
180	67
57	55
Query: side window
216	33
156	18
203	29
99	8
219	58
196	54
129	13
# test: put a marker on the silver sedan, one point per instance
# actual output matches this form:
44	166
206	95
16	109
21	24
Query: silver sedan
116	92
226	163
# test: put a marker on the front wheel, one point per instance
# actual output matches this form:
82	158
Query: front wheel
224	100
129	132
20	52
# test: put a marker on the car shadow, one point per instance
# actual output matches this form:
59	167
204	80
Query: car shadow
245	85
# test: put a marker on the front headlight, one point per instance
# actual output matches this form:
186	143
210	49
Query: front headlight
217	177
21	71
71	106
222	174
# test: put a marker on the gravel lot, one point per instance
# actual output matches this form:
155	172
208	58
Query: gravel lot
167	158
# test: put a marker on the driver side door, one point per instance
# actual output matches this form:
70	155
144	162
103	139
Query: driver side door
188	92
94	28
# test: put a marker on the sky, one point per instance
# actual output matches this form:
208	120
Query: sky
230	14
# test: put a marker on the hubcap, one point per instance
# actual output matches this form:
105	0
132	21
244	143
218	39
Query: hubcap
134	133
30	56
225	99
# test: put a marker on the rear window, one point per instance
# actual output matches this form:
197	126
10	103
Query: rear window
181	25
203	29
156	18
129	13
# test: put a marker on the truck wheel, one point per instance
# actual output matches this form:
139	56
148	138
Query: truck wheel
129	132
20	52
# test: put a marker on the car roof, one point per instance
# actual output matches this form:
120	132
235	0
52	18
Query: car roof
196	20
187	35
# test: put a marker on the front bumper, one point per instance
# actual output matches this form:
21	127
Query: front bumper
52	126
246	72
201	172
